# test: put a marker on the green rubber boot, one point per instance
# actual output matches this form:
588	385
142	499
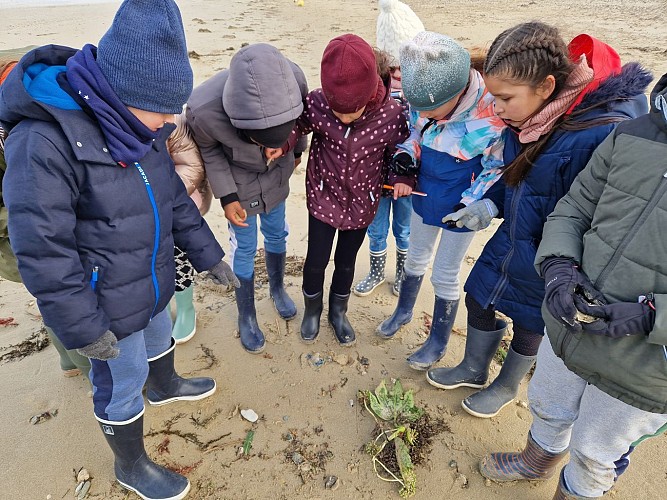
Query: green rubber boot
71	362
185	324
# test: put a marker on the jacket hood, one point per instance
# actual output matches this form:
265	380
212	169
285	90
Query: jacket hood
16	102
659	97
623	92
261	90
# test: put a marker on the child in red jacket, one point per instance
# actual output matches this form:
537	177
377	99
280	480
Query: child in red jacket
356	125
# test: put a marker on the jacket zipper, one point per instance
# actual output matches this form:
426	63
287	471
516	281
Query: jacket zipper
500	286
156	239
94	277
652	202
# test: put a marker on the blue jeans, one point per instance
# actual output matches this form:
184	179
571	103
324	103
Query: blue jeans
117	383
379	228
243	240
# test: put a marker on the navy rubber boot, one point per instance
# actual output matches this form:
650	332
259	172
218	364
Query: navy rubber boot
310	326
252	337
134	470
432	351
338	319
406	302
164	385
275	267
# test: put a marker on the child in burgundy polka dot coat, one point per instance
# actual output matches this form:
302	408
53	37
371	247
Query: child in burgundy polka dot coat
356	126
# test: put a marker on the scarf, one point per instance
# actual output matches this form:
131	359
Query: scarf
127	138
542	122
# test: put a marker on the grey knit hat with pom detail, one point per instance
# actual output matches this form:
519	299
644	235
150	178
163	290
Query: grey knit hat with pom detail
144	56
434	69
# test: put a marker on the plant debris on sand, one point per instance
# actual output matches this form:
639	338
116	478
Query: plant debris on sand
408	427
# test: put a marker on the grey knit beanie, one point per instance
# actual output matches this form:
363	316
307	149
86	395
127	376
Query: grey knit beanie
144	56
434	68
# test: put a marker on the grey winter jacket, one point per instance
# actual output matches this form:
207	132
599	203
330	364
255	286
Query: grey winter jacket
262	89
612	223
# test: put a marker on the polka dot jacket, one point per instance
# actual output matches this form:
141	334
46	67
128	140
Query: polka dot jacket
347	164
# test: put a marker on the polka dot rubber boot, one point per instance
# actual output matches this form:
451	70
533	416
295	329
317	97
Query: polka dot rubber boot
400	262
375	276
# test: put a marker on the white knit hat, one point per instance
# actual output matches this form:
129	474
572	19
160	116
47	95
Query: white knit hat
396	24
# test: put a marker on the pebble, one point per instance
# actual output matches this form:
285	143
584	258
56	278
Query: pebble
522	404
487	482
351	402
82	475
331	483
453	464
341	359
461	480
297	458
49	496
250	415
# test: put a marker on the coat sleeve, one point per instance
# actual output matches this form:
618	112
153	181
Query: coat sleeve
302	143
41	194
185	154
564	230
216	164
191	232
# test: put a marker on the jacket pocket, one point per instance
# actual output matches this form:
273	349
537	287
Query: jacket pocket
558	335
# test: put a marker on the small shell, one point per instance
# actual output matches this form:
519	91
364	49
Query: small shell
331	483
82	475
82	490
250	415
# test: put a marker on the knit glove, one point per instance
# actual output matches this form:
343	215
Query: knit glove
403	164
619	319
103	348
222	274
562	282
476	216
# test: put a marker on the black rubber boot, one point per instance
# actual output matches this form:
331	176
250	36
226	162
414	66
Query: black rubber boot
473	371
134	470
310	326
406	302
252	337
275	267
338	319
164	385
444	315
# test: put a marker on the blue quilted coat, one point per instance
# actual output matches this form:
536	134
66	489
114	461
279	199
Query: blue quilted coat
504	275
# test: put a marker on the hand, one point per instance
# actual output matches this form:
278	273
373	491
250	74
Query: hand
619	319
401	189
103	348
222	274
562	282
402	164
236	214
273	153
476	216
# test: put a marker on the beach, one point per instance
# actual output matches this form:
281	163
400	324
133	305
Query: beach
311	424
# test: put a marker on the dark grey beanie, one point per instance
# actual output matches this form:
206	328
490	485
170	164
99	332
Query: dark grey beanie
434	68
144	56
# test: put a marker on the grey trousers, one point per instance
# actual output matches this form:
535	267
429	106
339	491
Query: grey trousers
599	430
447	263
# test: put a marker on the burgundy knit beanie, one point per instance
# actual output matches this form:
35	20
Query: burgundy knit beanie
348	73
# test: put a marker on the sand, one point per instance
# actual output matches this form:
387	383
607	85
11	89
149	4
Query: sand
303	407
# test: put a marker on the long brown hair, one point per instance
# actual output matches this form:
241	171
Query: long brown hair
527	54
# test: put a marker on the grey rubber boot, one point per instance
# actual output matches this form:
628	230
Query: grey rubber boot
400	262
502	391
375	276
532	463
435	347
473	371
406	302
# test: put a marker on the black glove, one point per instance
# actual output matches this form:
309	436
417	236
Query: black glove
403	164
562	281
619	319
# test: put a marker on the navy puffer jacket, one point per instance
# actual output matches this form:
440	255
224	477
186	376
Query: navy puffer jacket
94	241
504	275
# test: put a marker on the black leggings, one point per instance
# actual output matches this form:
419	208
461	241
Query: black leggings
320	242
524	342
